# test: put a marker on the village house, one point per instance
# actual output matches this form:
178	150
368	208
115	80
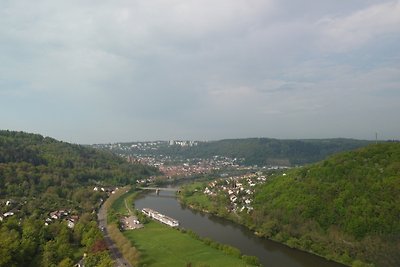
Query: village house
62	214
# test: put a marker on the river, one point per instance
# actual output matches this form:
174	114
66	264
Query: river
271	254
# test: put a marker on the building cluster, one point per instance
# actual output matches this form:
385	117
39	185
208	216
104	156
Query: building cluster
11	207
128	146
160	217
59	215
186	167
239	190
105	190
184	170
182	143
146	146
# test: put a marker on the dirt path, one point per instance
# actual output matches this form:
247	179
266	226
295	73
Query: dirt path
127	207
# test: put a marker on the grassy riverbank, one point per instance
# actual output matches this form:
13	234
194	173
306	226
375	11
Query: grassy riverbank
160	245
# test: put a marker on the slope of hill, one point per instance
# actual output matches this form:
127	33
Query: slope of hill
39	176
264	151
60	162
260	151
347	206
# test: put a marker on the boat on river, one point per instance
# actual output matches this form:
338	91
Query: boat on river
160	217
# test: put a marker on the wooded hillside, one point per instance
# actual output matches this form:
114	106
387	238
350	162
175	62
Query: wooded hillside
260	151
31	164
347	206
47	200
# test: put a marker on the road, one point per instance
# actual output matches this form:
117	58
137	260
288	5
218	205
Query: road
115	253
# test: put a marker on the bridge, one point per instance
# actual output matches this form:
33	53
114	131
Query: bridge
158	189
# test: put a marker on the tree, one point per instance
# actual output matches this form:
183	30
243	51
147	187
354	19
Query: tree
67	262
9	246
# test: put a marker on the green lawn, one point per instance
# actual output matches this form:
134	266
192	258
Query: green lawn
161	245
201	200
119	203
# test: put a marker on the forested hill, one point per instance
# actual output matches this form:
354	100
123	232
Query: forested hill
51	162
47	200
347	206
269	151
260	151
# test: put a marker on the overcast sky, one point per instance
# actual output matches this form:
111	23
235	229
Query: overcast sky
97	71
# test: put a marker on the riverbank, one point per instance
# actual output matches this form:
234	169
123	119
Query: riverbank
160	245
207	226
192	196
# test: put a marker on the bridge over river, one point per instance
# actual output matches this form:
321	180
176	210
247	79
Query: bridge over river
158	189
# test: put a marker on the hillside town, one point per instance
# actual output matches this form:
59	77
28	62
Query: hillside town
186	167
146	146
150	153
160	155
239	190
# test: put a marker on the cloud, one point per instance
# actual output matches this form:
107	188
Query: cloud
197	69
373	22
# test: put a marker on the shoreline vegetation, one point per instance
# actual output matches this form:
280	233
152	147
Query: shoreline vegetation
199	206
222	213
344	209
152	244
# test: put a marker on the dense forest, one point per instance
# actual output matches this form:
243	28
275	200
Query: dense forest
40	176
259	151
345	208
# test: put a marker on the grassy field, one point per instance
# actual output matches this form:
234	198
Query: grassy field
119	203
198	199
161	245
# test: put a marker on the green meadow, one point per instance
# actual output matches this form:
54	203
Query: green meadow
161	245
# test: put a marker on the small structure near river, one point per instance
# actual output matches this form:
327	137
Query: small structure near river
130	223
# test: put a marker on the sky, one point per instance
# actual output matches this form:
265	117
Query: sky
99	71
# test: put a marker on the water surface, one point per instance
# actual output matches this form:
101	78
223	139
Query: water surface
271	254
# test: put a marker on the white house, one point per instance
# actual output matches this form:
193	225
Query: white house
7	214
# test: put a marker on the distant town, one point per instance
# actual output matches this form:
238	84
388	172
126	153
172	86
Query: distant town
175	166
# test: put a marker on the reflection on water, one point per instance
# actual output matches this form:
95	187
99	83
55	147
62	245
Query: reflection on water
271	254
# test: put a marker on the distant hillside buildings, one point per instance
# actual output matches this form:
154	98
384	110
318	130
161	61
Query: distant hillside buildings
183	143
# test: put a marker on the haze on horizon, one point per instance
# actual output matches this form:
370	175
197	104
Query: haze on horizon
109	71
